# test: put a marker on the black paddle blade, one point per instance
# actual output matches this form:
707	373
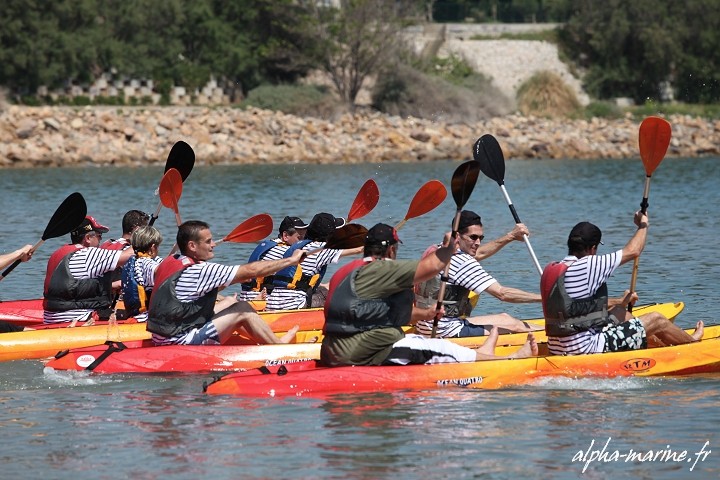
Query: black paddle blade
351	235
463	182
68	216
181	158
489	155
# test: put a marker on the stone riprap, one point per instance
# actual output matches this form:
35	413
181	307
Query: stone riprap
135	136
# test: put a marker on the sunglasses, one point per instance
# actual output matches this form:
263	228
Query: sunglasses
475	238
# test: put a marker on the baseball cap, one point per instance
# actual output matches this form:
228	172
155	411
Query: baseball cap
382	234
291	222
586	234
322	225
89	224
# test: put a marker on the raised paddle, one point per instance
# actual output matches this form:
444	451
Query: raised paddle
170	192
653	140
68	216
182	159
251	230
461	186
489	155
427	198
365	201
350	235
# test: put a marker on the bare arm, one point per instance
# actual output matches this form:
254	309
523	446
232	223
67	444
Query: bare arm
263	268
23	254
512	295
419	314
432	264
635	246
494	246
352	251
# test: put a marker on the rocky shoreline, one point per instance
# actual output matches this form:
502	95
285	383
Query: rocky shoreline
139	136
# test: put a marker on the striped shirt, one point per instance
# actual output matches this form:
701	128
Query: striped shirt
90	262
583	278
275	253
467	272
195	282
290	299
144	274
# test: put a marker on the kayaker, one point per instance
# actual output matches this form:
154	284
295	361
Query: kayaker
291	231
370	299
466	275
183	308
138	273
579	319
295	288
79	277
23	254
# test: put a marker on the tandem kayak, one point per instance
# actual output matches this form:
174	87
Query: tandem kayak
119	357
308	378
43	343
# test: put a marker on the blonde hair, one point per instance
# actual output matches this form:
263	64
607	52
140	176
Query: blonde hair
145	237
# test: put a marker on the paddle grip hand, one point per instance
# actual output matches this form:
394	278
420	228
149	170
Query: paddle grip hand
25	255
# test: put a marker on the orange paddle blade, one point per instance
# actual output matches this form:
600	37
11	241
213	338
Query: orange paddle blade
251	230
430	195
365	201
171	189
654	140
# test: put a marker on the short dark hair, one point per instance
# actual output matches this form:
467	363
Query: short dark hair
189	232
134	218
468	218
375	250
583	236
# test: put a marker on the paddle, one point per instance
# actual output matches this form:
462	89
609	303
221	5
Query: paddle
67	217
366	199
182	159
427	198
489	155
170	192
251	230
461	186
653	140
350	235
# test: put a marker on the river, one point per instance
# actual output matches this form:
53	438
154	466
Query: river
63	426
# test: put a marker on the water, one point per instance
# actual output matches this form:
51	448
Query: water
58	425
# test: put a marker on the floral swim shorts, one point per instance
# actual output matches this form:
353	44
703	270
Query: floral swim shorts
628	335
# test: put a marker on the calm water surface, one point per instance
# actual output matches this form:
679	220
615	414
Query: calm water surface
57	425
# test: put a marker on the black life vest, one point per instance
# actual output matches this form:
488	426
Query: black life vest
564	315
168	316
347	314
63	292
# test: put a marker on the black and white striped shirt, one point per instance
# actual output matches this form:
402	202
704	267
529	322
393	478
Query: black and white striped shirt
583	278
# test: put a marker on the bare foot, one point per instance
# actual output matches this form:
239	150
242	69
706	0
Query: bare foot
290	335
488	348
529	349
699	330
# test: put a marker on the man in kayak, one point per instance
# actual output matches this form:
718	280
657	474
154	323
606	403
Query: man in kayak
183	308
78	280
370	299
299	287
579	319
23	254
292	230
138	274
466	275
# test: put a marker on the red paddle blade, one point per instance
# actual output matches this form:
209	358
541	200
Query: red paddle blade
430	195
251	230
365	201
654	140
171	189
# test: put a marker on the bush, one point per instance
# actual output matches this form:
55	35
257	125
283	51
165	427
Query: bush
406	91
301	100
546	95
